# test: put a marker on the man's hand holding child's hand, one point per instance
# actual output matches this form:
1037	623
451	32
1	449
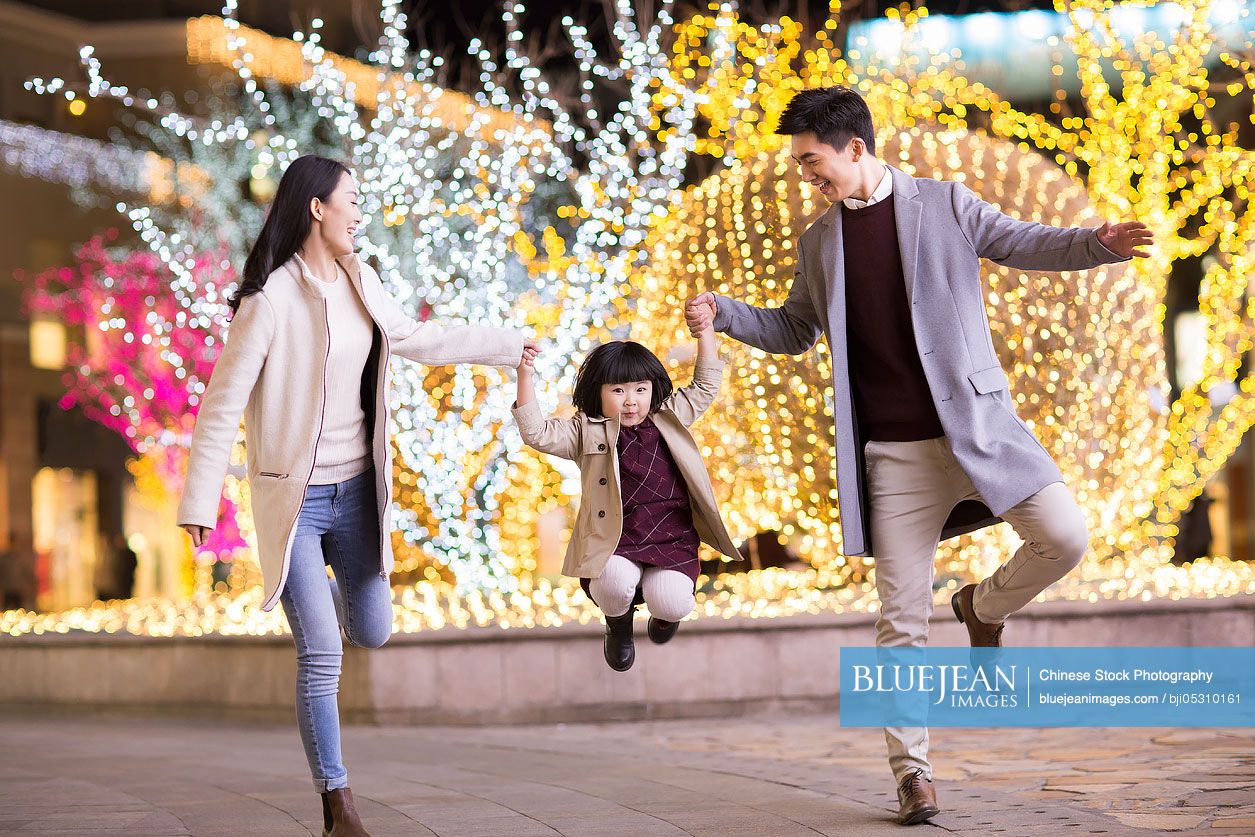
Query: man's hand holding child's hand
699	313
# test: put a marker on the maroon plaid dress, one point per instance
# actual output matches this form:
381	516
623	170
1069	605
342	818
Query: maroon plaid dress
657	518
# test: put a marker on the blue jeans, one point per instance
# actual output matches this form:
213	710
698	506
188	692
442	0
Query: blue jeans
338	527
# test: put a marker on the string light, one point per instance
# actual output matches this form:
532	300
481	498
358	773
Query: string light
74	161
1085	350
469	204
224	42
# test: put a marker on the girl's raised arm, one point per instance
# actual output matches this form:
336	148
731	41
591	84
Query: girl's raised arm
707	342
525	391
559	437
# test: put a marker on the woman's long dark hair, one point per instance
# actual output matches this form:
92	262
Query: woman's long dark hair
288	220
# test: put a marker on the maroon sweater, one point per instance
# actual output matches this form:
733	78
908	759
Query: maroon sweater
891	396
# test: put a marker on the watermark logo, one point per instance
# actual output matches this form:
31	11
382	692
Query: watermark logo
1048	687
961	685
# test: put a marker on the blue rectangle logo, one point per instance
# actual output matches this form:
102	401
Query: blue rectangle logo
1047	687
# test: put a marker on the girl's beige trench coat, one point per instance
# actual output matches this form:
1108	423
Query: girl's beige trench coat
590	442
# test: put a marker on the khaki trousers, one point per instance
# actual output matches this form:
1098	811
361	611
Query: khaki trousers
912	487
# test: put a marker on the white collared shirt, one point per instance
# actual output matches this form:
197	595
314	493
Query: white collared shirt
884	190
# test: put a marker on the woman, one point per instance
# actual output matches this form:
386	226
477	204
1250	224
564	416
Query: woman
305	364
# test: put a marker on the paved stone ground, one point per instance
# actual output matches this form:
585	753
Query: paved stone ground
745	777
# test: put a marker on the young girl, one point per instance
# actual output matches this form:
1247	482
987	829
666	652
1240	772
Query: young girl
646	499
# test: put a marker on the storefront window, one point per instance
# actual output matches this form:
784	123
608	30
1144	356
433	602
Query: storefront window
66	537
47	344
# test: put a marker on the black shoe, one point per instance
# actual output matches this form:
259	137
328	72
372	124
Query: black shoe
619	650
660	632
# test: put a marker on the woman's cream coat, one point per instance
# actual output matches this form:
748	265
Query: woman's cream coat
590	443
272	371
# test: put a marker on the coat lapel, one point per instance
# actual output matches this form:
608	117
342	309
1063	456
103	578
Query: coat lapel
909	213
832	258
849	455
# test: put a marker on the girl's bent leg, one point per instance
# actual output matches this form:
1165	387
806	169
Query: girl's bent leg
311	613
668	593
615	588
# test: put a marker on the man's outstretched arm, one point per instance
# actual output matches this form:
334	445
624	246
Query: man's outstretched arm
1032	246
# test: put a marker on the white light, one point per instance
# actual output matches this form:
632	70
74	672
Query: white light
1171	15
1128	20
934	33
886	39
1034	24
984	28
1224	12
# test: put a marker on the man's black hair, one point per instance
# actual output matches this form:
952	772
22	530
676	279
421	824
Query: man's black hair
834	114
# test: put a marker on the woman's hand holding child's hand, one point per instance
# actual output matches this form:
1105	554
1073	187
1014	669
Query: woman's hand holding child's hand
530	350
524	382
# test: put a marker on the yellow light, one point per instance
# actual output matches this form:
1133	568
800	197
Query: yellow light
1084	350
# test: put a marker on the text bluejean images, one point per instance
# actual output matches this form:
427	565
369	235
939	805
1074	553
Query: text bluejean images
1048	687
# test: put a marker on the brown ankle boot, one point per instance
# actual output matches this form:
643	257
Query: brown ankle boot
980	634
339	816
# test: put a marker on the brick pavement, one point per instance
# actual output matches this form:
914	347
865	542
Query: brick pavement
760	776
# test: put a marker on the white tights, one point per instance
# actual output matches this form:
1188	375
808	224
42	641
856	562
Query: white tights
668	593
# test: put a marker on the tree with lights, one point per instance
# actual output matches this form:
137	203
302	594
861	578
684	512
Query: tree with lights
624	247
132	368
468	210
1085	352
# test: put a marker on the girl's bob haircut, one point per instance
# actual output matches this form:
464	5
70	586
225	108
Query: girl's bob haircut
618	362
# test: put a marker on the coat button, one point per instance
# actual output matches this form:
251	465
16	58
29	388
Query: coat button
601	514
601	446
601	481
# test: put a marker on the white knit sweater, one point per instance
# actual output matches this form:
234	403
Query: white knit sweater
343	450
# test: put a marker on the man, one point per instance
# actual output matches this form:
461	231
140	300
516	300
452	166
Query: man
928	444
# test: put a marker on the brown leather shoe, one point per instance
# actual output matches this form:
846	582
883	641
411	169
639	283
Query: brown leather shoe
917	798
339	816
980	634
